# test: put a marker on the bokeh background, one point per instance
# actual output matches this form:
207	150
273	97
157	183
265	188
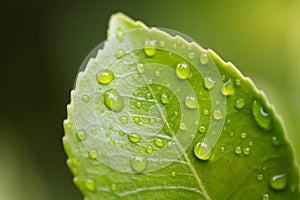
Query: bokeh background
44	42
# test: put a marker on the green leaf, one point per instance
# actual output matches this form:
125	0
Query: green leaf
155	116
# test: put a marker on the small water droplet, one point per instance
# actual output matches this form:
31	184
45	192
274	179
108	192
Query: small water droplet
238	82
159	142
138	104
162	43
278	182
81	135
190	102
148	96
231	134
134	137
173	174
113	100
261	116
202	150
175	113
135	77
238	150
140	68
164	98
85	98
120	34
246	151
169	144
275	141
243	135
136	119
205	112
138	163
183	70
266	197
112	142
204	58
209	83
218	114
260	177
105	76
120	53
182	126
121	133
135	93
150	48
149	149
123	119
113	187
240	103
228	88
93	154
201	129
90	185
157	73
191	55
250	143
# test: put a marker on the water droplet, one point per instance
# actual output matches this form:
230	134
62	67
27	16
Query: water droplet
278	182
149	149
260	177
238	150
238	82
183	70
265	197
93	154
191	55
81	135
134	138
105	76
138	104
150	48
243	135
113	100
140	68
218	114
120	34
157	73
202	150
182	126
123	119
169	144
173	174
201	129
159	142
231	134
120	53
190	102
90	185
112	142
121	133
138	163
240	103
164	98
250	143
246	151
209	83
148	96
162	43
205	112
113	187
68	124
136	119
275	141
228	88
222	149
261	116
135	77
204	58
135	93
85	98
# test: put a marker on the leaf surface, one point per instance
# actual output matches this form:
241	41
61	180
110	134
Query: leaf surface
155	116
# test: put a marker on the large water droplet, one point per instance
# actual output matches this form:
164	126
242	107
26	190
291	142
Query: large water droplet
105	76
278	182
89	184
134	137
113	100
164	98
261	116
228	88
204	58
120	53
209	83
150	48
159	142
183	70
81	135
202	150
240	103
190	102
138	163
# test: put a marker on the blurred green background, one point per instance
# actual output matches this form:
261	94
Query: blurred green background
44	42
